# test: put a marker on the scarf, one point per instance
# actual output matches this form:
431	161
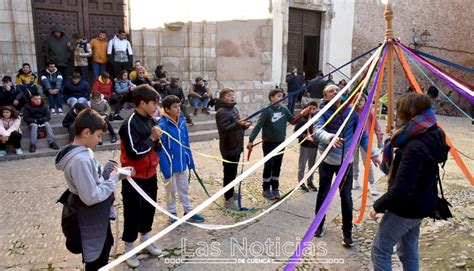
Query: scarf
419	124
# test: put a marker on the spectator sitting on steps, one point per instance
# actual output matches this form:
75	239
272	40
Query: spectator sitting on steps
199	95
52	81
9	95
27	82
76	90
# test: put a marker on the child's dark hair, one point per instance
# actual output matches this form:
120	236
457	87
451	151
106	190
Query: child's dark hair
76	75
313	103
224	92
274	92
169	100
6	78
79	107
145	93
95	95
121	73
89	119
105	74
13	113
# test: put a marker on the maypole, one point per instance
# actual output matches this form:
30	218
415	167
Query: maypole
388	15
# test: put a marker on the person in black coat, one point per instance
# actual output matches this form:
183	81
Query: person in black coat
76	90
174	89
9	95
231	138
412	182
68	121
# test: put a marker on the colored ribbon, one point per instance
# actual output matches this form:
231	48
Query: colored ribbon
453	151
294	260
245	174
457	66
459	88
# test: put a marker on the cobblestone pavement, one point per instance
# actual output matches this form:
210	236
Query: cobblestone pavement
31	237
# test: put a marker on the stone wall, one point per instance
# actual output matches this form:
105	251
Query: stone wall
450	25
224	53
17	44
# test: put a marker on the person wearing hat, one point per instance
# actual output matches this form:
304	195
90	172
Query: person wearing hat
10	132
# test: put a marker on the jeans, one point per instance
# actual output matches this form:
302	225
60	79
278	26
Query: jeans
97	68
230	172
291	102
34	133
307	156
196	102
326	172
356	166
396	230
272	168
138	214
55	100
73	100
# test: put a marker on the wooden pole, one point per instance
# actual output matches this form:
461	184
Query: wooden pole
388	15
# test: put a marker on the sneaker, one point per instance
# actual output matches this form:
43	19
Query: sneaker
18	151
154	250
319	232
53	111
114	139
53	145
32	148
230	204
133	261
373	190
3	153
347	240
172	220
60	111
196	218
267	194
312	187
100	143
276	193
111	118
117	117
304	188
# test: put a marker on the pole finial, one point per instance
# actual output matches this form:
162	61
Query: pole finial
388	15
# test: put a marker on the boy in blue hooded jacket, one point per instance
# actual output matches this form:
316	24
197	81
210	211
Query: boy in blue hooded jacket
176	158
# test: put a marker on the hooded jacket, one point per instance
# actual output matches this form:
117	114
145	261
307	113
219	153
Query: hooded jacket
56	49
177	91
103	87
7	97
92	196
272	122
78	90
413	191
123	86
102	106
231	133
180	154
119	50
137	148
36	114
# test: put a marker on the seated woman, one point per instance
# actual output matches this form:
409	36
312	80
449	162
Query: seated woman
122	91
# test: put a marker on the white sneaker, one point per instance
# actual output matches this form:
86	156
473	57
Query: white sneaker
373	190
154	250
133	261
53	111
60	111
3	153
18	151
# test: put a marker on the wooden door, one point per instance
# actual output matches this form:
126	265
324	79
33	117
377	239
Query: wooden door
85	17
304	28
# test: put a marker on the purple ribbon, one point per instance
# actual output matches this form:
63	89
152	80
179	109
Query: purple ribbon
439	74
295	259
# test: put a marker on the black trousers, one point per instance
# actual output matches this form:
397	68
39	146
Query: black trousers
272	168
138	214
104	255
118	66
119	99
326	172
230	172
110	128
14	138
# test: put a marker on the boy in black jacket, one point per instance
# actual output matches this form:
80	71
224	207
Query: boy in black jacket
36	114
68	121
174	89
231	138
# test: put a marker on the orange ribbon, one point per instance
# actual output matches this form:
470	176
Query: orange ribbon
414	83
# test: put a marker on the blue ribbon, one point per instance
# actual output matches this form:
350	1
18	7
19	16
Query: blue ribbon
435	58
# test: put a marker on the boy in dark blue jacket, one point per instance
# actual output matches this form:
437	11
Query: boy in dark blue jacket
76	90
175	158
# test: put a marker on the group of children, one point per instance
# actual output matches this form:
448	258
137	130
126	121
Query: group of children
145	143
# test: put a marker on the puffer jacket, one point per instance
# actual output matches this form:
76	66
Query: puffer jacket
36	114
231	133
82	52
180	154
27	82
123	86
103	87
